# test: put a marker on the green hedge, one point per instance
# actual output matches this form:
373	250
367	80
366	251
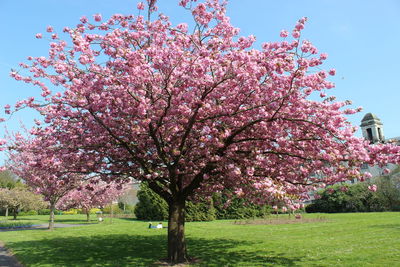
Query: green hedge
152	207
357	198
238	208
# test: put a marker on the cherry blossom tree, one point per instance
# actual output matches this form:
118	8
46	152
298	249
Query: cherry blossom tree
91	195
192	111
31	159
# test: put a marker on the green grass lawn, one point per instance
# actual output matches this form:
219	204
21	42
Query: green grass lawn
354	239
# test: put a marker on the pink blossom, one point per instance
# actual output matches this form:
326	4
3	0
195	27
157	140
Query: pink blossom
97	17
84	19
323	56
372	188
284	33
344	188
39	36
49	29
295	34
332	72
140	6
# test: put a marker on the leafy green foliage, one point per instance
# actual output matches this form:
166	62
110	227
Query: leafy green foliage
20	198
28	213
47	212
8	180
388	191
150	206
354	198
230	207
200	211
153	207
112	209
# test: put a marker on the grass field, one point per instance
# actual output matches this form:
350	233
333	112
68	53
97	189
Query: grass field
355	239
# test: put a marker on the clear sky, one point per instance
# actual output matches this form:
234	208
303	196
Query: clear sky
361	37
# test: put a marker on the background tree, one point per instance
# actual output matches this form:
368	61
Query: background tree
42	172
388	190
91	195
8	179
194	112
20	198
128	199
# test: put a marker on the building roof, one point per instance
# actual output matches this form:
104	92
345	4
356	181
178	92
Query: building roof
370	116
369	119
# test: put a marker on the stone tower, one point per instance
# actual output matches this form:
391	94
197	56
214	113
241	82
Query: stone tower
372	128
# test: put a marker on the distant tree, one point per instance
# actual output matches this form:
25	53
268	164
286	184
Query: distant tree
20	198
388	190
346	198
8	179
128	198
42	172
91	195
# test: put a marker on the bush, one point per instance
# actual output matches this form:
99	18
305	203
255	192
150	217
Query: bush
200	211
152	207
115	209
92	211
28	213
71	212
126	208
47	212
229	207
357	198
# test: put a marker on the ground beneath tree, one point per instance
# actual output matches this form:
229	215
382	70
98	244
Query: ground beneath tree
7	259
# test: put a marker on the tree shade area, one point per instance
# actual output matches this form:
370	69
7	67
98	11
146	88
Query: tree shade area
190	111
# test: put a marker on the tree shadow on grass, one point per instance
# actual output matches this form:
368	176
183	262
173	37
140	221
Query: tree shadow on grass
139	250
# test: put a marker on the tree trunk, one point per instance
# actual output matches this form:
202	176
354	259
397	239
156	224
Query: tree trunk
15	212
52	209
112	213
88	215
176	232
6	213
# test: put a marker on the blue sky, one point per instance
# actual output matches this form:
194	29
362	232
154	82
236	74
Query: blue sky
361	38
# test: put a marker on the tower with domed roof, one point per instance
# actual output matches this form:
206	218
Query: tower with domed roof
372	128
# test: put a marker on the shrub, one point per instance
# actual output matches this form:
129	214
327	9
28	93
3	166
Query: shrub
152	207
92	211
200	211
126	208
115	209
47	212
28	213
356	198
70	212
237	208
